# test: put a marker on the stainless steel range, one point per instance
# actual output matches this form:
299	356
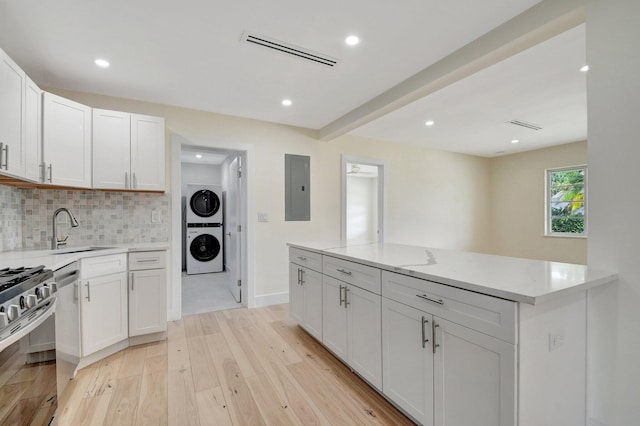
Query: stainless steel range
27	299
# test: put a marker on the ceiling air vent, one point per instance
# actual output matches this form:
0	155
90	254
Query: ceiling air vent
289	49
525	124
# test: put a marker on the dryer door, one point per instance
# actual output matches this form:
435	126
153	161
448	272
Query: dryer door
204	247
204	203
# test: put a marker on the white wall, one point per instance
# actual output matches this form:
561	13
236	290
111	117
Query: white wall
518	205
613	88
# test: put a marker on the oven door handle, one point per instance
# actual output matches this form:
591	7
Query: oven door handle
29	327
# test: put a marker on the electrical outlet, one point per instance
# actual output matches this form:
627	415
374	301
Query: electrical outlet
263	217
155	216
556	339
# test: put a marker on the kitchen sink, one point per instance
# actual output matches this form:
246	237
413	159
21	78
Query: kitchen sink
79	249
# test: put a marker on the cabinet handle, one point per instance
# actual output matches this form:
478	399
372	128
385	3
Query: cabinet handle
41	172
433	335
132	281
134	181
346	299
88	284
149	259
301	276
51	173
5	148
304	259
341	288
344	272
425	297
424	333
126	180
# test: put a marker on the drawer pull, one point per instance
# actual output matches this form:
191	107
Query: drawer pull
304	259
425	297
345	272
155	259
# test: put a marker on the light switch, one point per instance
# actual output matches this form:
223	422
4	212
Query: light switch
263	217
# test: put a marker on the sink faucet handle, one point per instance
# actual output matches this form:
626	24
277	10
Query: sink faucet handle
63	241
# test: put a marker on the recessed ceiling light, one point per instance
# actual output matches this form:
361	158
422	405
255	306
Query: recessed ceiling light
198	155
287	102
515	141
429	123
352	40
102	63
584	68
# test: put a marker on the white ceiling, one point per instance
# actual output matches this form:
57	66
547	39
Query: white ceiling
189	54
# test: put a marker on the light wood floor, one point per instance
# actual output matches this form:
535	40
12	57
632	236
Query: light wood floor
234	367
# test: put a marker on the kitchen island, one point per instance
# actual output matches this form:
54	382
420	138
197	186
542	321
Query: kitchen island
450	337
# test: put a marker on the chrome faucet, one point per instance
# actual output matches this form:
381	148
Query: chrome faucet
55	242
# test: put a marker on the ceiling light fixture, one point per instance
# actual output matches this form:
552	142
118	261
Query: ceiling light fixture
198	155
429	123
515	141
102	63
287	102
352	40
584	68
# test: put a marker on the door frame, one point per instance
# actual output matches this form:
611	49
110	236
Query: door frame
382	193
174	289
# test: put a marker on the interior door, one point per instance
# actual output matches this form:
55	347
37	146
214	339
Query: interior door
232	221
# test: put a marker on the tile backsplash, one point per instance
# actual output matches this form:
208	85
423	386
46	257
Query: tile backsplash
10	218
104	217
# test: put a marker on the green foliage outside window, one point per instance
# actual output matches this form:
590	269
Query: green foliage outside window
567	201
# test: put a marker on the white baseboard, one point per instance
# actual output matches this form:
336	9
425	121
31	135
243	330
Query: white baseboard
271	299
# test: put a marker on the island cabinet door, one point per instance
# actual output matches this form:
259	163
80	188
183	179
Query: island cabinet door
408	359
296	293
334	324
312	300
364	334
474	377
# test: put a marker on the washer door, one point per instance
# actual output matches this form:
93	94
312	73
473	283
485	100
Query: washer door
204	247
205	203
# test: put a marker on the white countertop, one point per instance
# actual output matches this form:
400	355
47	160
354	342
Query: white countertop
521	280
55	259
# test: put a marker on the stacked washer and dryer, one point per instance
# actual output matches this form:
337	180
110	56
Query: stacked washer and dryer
205	233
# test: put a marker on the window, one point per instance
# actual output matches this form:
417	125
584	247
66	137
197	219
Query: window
566	201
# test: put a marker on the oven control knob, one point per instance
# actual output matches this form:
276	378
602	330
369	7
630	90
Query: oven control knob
4	321
32	300
45	292
13	312
54	287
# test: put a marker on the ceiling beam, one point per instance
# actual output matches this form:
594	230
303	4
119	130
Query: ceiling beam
537	24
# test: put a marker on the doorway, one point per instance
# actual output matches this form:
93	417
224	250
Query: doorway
211	241
363	199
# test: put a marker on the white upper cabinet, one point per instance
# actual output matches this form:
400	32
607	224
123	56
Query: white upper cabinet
12	126
111	149
128	151
33	132
66	142
147	153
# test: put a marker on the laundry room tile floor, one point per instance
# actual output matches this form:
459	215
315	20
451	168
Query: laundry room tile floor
206	293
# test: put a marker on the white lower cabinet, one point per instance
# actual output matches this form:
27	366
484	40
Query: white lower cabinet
147	293
305	290
104	313
103	302
407	359
474	377
351	327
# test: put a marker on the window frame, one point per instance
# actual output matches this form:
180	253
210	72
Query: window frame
548	232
